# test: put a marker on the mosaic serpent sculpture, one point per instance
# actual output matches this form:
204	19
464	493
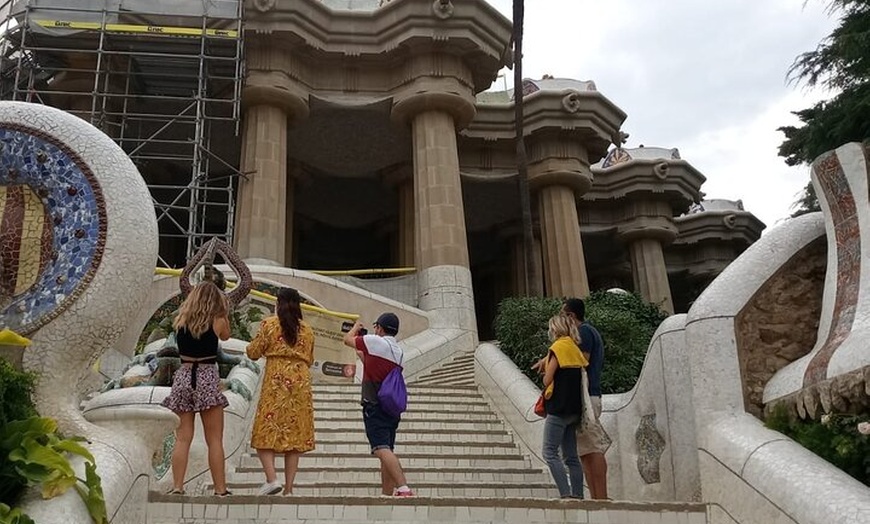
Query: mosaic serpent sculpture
78	244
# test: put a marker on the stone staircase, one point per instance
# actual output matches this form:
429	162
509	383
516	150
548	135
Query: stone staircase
458	456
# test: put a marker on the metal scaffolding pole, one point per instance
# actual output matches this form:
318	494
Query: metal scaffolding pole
161	85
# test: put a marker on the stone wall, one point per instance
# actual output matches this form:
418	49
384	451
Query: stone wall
780	323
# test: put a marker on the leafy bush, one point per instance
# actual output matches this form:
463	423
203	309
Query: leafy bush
32	452
835	438
625	321
15	389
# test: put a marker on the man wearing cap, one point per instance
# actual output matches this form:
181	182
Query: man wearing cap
380	354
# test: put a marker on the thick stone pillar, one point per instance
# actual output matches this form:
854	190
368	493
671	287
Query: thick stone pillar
650	272
440	217
261	213
437	102
646	227
407	214
564	262
559	173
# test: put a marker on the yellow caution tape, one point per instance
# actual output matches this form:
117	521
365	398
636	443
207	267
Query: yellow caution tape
264	296
138	28
11	338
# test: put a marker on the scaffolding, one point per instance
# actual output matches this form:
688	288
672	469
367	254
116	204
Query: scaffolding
163	78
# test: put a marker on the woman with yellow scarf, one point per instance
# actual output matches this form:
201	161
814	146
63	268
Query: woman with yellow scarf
562	399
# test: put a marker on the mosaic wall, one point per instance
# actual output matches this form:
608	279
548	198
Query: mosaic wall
650	446
52	228
844	214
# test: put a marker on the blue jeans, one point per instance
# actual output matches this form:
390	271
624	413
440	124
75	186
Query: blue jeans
559	431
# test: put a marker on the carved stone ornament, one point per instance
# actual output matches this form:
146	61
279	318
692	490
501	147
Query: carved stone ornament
205	255
661	170
443	9
730	221
571	102
264	5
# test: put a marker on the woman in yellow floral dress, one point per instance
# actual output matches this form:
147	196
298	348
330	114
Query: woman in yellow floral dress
285	414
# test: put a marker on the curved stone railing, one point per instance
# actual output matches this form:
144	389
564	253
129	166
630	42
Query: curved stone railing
652	456
752	473
137	408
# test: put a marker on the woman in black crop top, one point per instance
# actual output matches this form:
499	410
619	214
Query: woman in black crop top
202	320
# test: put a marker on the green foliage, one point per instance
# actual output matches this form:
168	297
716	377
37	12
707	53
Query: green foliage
521	328
13	516
835	439
240	322
841	62
32	452
15	389
807	203
625	321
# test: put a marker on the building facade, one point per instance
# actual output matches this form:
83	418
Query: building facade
341	134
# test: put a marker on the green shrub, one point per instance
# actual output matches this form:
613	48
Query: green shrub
15	389
625	321
835	438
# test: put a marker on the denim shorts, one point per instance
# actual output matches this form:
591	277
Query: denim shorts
380	427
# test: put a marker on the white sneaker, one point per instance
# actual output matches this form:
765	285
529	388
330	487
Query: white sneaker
271	488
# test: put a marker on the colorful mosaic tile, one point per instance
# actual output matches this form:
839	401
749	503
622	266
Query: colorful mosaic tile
844	214
52	227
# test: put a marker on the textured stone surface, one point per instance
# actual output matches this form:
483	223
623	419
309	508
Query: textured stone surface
650	446
780	322
65	348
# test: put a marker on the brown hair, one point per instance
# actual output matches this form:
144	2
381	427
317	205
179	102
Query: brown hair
202	306
289	314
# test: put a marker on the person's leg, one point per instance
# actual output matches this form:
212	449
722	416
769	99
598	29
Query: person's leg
213	426
572	461
554	433
267	459
390	463
388	487
181	452
595	467
291	465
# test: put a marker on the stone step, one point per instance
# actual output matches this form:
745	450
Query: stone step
344	410
421	425
414	405
355	416
447	381
428	489
448	369
447	476
445	447
350	509
411	459
408	437
414	395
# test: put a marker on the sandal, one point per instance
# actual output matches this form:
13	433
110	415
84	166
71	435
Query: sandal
175	491
224	494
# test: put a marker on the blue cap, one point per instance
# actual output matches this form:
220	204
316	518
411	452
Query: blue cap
390	323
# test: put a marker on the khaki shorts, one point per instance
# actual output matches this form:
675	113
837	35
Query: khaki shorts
594	439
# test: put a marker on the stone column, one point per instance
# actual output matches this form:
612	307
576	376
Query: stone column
406	223
647	226
261	213
436	102
650	272
440	216
559	172
564	262
264	219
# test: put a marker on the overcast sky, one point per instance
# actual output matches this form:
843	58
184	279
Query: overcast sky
705	76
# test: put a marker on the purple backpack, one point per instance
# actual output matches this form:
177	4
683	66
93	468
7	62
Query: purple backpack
393	395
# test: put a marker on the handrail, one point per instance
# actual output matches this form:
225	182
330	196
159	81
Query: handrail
355	272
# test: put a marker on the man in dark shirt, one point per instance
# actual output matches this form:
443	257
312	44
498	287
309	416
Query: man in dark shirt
592	443
380	354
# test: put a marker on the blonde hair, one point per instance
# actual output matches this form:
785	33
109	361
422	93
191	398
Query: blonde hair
199	310
562	325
